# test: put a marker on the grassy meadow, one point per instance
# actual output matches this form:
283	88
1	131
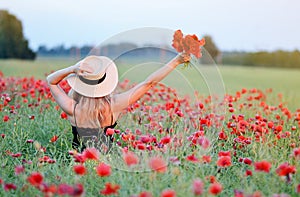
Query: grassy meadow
165	145
229	78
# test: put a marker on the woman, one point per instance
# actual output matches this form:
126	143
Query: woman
90	105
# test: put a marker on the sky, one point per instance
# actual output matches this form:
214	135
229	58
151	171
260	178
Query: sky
244	25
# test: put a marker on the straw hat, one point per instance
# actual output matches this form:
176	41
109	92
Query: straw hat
99	77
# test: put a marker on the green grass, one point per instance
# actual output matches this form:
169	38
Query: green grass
274	147
204	79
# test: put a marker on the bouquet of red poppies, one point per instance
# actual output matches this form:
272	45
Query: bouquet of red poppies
189	44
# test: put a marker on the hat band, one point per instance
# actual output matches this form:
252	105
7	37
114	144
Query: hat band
92	82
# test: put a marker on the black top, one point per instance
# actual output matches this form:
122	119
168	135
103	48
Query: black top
91	136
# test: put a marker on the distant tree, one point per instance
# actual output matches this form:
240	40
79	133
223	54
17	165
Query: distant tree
12	42
211	49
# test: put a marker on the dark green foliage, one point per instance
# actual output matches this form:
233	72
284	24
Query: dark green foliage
12	42
284	59
211	50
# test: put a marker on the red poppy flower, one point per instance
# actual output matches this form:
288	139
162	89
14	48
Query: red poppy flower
110	189
247	161
79	169
63	115
165	140
16	155
224	161
224	153
80	158
168	193
192	158
5	118
54	138
110	131
158	164
130	158
298	189
206	158
9	186
263	166
78	189
103	170
65	189
145	194
248	173
197	187
215	188
296	153
35	179
285	169
177	41
91	153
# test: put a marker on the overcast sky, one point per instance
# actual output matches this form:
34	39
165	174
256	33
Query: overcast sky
234	24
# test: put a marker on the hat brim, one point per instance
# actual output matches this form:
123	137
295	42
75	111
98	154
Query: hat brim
104	88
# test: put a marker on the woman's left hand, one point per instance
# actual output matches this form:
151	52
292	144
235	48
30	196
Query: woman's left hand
183	58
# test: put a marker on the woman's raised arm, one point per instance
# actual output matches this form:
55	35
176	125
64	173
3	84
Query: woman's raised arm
123	100
62	99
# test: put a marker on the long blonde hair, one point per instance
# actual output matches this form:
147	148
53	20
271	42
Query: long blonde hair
96	109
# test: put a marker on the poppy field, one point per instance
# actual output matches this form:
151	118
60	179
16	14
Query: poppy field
248	144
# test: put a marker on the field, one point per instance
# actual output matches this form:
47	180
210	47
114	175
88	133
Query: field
237	134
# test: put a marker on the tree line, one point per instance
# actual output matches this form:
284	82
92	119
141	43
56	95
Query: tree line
284	59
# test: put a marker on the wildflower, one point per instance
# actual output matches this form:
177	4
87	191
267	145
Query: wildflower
145	194
192	158
248	173
177	41
63	115
91	153
35	179
5	118
9	186
165	140
16	155
79	169
197	187
296	153
130	158
247	161
110	131
203	142
263	166
215	188
54	138
158	164
206	159
78	189
238	193
19	169
103	170
168	193
110	189
285	169
224	153
29	141
224	161
80	158
65	189
298	189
